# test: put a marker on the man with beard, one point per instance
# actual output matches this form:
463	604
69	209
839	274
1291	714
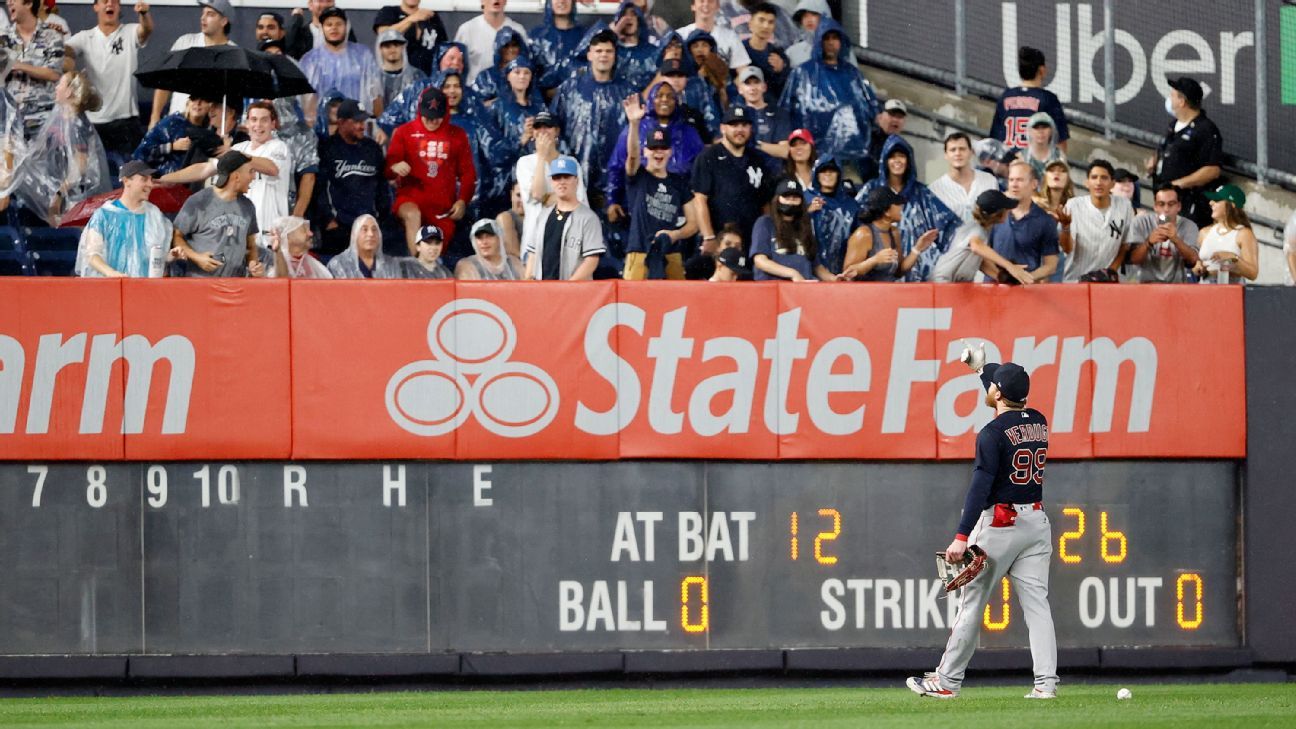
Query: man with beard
338	65
731	180
351	179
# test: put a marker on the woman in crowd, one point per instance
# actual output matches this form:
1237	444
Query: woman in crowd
291	240
783	243
509	223
926	220
873	252
802	157
1055	190
1227	248
832	213
65	163
364	258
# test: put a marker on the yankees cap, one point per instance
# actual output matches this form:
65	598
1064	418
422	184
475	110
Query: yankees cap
734	260
658	138
750	72
350	109
738	114
1012	380
544	119
430	233
788	186
391	35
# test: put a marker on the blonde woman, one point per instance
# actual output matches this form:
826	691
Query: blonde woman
65	163
1055	190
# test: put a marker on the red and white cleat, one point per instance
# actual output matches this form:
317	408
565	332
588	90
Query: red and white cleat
929	685
1038	693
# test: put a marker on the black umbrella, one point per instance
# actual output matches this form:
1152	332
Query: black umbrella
214	72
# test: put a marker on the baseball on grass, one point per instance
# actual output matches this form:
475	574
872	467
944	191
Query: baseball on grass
1124	694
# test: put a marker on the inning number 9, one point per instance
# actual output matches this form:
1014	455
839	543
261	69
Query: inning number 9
1028	466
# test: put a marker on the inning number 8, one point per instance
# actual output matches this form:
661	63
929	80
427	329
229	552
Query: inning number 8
1028	466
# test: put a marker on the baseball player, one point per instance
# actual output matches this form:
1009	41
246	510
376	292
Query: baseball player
1004	516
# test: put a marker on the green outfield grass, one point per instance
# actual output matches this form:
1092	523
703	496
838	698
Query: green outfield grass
1215	706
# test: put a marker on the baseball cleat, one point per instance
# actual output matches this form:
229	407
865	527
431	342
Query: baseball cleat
1041	694
929	685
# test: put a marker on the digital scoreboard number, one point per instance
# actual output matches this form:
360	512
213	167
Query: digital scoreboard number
537	557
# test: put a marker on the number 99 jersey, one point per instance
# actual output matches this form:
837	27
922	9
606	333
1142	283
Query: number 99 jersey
1014	447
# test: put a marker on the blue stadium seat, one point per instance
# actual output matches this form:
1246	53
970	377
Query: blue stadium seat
52	250
13	254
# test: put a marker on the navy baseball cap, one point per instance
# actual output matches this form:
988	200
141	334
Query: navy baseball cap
432	104
1012	380
737	114
350	109
332	11
544	119
429	234
658	138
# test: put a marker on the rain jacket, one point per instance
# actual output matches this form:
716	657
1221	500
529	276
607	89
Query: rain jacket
347	263
637	64
685	146
434	183
491	82
405	106
65	156
698	94
1054	153
490	153
836	103
923	211
554	49
155	148
800	51
500	150
589	114
834	222
122	239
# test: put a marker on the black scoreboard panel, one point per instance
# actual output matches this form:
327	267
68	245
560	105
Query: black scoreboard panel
538	557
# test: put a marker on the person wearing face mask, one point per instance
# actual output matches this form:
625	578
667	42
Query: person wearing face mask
1192	152
783	244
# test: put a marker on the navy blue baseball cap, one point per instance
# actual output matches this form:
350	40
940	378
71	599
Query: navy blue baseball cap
1012	380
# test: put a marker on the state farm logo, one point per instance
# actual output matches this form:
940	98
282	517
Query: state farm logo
470	374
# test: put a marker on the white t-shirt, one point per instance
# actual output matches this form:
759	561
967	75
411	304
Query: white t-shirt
110	62
269	195
1096	234
479	37
728	44
533	218
959	200
188	40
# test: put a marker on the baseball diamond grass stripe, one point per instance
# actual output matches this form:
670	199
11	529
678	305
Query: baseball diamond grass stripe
1154	705
1287	46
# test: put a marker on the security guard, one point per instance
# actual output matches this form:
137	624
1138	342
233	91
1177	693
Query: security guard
1192	152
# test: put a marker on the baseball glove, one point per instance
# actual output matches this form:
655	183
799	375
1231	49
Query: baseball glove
956	576
1101	275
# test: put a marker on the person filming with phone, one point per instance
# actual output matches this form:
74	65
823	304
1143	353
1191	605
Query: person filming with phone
1163	243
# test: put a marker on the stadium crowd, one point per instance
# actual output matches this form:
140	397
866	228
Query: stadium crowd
744	145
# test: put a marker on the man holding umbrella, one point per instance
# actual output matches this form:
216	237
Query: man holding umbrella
214	22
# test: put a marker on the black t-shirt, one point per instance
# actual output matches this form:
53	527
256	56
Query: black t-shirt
1184	152
656	203
773	124
737	188
421	39
551	261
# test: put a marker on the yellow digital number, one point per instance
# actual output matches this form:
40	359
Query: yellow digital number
704	617
1004	616
1198	612
796	543
1108	537
1079	532
822	537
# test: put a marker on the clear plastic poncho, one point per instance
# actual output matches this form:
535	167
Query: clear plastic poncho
62	166
13	147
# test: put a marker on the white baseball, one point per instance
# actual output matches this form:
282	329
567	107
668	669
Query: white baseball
1124	694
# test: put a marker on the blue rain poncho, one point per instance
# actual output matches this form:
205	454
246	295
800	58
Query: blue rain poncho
509	119
835	221
698	94
923	211
553	49
491	82
354	73
685	146
835	102
637	64
738	17
122	238
404	107
491	155
155	147
62	165
589	114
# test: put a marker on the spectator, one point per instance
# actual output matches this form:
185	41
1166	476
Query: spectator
351	179
727	42
532	175
636	53
1289	250
732	180
783	243
422	30
806	17
1056	191
1029	235
731	265
1101	223
450	62
571	238
832	213
1011	124
364	257
772	124
303	148
167	145
511	222
1163	244
831	98
291	241
48	12
430	160
1191	153
891	120
514	112
700	106
873	250
925	216
397	72
959	187
767	55
661	210
709	66
665	114
214	24
268	190
216	228
427	261
121	236
269	27
341	66
588	110
478	36
656	25
108	55
802	156
1228	250
737	15
490	262
492	158
970	252
491	82
554	42
37	53
1126	185
1042	148
11	135
65	163
305	28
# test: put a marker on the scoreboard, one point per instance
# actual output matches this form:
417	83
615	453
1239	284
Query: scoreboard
372	557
